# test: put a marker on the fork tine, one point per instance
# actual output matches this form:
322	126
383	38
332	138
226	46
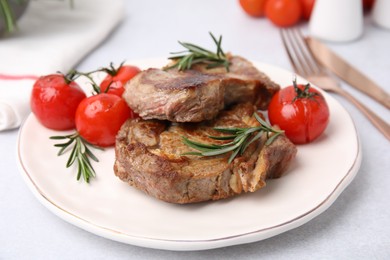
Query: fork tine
299	55
286	45
306	53
298	52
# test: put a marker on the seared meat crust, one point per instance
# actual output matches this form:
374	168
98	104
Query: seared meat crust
197	94
176	96
149	157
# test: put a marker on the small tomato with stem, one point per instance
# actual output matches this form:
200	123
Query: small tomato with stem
54	100
301	111
116	78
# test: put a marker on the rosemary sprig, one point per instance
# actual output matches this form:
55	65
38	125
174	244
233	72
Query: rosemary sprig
195	54
111	70
240	139
74	74
80	153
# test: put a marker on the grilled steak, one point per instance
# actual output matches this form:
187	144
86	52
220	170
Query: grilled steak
149	157
197	94
188	96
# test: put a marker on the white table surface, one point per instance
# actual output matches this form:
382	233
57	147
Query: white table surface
356	226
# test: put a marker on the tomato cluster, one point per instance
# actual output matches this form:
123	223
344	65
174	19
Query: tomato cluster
285	13
282	13
58	103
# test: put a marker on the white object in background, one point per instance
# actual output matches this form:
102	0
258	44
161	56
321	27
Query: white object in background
381	13
14	102
335	20
52	37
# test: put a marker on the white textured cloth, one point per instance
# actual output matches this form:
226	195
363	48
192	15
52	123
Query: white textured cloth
52	37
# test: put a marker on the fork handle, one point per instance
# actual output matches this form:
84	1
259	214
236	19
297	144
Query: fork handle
380	124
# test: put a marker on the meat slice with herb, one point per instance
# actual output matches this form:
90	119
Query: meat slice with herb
197	84
164	160
199	93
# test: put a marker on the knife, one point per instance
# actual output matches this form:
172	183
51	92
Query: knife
347	72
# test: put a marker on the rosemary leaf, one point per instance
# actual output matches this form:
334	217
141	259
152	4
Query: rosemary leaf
231	130
80	152
250	130
196	49
256	137
220	151
197	146
261	121
233	155
223	150
81	146
78	173
88	167
223	137
193	153
90	154
244	145
81	166
218	43
64	147
59	137
72	157
271	139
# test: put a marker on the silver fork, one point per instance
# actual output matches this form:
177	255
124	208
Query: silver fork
307	66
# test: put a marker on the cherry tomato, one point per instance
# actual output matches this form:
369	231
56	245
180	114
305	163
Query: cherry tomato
301	111
307	8
283	13
99	118
54	100
368	4
253	8
117	78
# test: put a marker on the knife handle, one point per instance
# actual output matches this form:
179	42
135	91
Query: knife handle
347	72
378	122
378	94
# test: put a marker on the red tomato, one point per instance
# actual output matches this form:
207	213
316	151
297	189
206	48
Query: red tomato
254	8
307	8
99	118
116	79
368	4
283	13
54	100
301	111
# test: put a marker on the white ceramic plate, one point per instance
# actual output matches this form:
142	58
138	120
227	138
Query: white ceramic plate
112	209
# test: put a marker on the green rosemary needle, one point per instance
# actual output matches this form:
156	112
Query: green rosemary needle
195	54
80	153
240	139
